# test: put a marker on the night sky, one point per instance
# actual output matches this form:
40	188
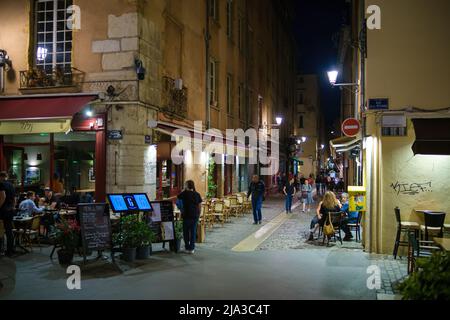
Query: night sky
316	23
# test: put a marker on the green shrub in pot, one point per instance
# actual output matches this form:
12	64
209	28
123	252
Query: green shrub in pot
128	237
431	281
145	237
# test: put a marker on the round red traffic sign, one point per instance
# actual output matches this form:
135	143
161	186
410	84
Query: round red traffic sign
350	127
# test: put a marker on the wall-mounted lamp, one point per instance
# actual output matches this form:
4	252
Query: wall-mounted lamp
4	59
332	77
278	120
140	70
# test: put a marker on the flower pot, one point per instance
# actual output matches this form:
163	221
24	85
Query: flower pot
129	254
143	252
65	257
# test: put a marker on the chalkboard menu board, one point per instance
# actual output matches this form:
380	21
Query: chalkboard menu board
161	220
95	226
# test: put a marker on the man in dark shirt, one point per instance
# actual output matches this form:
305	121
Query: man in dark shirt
257	190
191	212
7	204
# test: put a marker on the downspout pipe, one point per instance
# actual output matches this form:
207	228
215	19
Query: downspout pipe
207	39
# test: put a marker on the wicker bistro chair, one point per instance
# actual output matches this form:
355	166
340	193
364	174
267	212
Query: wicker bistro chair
218	211
205	215
233	206
418	250
241	200
31	231
247	203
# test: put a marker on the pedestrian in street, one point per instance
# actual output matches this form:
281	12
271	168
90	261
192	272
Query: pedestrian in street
328	204
289	192
191	200
319	185
307	198
7	204
257	190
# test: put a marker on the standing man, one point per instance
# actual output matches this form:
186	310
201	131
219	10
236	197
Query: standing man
7	204
191	200
257	190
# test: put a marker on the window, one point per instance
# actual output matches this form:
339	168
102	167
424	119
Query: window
240	34
300	98
229	94
240	100
213	82
300	122
229	19
213	10
53	38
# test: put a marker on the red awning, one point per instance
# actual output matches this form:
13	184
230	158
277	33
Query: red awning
39	107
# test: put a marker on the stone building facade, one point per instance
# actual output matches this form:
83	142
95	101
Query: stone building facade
236	77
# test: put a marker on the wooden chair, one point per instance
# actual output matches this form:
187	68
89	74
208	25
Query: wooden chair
356	226
247	203
418	250
218	211
403	227
205	216
34	232
434	225
241	201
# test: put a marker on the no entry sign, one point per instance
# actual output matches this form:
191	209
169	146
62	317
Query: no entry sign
350	127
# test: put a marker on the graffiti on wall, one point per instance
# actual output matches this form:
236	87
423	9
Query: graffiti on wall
411	189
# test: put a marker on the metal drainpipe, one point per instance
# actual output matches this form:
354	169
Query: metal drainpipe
2	79
207	38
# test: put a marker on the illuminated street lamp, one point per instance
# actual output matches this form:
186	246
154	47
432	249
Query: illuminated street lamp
278	120
303	139
332	77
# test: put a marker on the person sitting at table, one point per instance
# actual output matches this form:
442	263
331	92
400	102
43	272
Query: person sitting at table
328	204
28	207
345	217
51	200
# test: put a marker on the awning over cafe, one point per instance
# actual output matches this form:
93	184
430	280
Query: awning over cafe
343	144
432	136
40	113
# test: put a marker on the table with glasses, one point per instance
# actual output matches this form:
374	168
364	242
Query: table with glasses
21	223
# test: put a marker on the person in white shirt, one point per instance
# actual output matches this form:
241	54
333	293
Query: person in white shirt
27	207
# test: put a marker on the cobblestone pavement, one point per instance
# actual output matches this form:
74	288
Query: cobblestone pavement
294	232
239	228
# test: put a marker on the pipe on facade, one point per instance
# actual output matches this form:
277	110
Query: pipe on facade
207	39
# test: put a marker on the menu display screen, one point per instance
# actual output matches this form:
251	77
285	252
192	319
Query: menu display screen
129	202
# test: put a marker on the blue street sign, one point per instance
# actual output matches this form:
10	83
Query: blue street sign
379	104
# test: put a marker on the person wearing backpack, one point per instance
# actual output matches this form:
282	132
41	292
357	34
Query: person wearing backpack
327	205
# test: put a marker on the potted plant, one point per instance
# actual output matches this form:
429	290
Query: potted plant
127	238
430	281
145	237
67	237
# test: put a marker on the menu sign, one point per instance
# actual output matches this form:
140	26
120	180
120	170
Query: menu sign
95	226
161	220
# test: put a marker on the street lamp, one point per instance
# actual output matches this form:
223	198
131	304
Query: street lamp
332	77
278	120
303	139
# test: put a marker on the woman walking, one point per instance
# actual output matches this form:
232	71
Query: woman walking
307	197
289	192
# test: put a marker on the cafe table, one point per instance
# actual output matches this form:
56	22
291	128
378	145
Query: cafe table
444	243
21	223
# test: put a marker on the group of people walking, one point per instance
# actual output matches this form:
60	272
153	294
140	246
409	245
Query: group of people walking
301	187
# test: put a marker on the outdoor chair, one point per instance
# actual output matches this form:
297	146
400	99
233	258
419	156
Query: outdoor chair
356	226
434	225
403	227
235	207
218	211
336	219
418	250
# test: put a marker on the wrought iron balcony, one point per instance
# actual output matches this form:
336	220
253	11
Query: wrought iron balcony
39	81
174	101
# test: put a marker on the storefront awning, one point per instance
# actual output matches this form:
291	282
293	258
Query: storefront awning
27	114
343	144
432	136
